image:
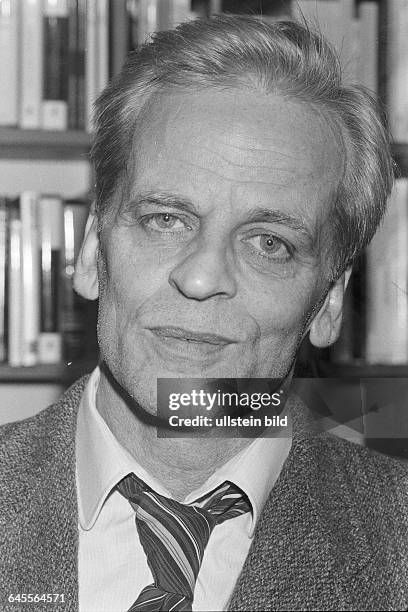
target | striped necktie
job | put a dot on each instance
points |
(174, 537)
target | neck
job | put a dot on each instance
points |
(180, 464)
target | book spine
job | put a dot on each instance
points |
(180, 10)
(3, 259)
(397, 68)
(165, 14)
(73, 306)
(91, 73)
(14, 285)
(81, 65)
(387, 284)
(31, 65)
(73, 67)
(8, 63)
(368, 45)
(55, 65)
(50, 210)
(102, 44)
(134, 16)
(147, 22)
(118, 43)
(30, 277)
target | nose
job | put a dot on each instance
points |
(204, 273)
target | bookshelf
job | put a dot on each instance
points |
(43, 144)
(58, 373)
(29, 149)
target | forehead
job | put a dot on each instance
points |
(242, 143)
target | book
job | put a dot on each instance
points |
(118, 35)
(397, 68)
(51, 243)
(180, 10)
(81, 108)
(367, 36)
(74, 307)
(3, 263)
(8, 62)
(349, 347)
(102, 44)
(147, 21)
(54, 114)
(14, 285)
(73, 65)
(30, 277)
(387, 284)
(91, 70)
(134, 16)
(31, 63)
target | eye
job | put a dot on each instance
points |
(164, 222)
(269, 246)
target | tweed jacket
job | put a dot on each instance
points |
(333, 534)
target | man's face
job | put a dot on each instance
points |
(218, 251)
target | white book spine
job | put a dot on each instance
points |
(15, 290)
(387, 284)
(397, 68)
(181, 12)
(148, 19)
(30, 277)
(102, 26)
(8, 62)
(31, 64)
(91, 72)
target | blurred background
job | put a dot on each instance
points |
(56, 56)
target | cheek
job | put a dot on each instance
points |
(127, 275)
(282, 311)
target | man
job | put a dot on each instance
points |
(237, 180)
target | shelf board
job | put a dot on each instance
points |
(65, 374)
(361, 370)
(43, 144)
(57, 373)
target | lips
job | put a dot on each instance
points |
(179, 333)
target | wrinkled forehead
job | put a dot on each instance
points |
(240, 136)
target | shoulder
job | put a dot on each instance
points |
(353, 463)
(361, 487)
(29, 442)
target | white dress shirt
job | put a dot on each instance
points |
(112, 563)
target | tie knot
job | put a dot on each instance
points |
(225, 502)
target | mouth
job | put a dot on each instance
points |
(193, 337)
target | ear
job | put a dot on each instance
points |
(86, 270)
(326, 325)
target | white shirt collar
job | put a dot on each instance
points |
(101, 462)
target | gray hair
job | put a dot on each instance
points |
(283, 57)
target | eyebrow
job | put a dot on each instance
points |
(277, 216)
(166, 200)
(257, 215)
